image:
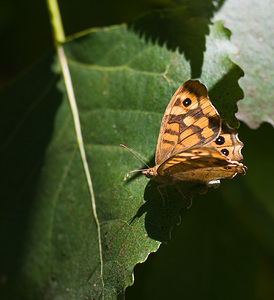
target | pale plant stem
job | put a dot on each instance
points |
(56, 22)
(59, 38)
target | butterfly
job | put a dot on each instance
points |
(194, 143)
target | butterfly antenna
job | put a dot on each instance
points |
(137, 156)
(133, 171)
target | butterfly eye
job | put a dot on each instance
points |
(186, 102)
(220, 140)
(225, 152)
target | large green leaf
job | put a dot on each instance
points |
(122, 85)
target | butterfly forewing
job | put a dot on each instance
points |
(190, 120)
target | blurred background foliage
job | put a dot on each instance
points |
(25, 32)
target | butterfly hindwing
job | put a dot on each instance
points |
(228, 143)
(200, 164)
(190, 120)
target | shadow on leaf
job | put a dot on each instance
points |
(225, 94)
(164, 205)
(184, 27)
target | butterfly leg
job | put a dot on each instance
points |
(159, 187)
(187, 198)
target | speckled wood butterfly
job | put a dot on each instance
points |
(194, 144)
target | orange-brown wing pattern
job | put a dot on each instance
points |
(194, 143)
(190, 120)
(228, 143)
(200, 164)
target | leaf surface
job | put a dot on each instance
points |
(122, 84)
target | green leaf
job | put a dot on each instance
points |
(251, 23)
(122, 85)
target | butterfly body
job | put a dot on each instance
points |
(194, 144)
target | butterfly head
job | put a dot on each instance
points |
(150, 173)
